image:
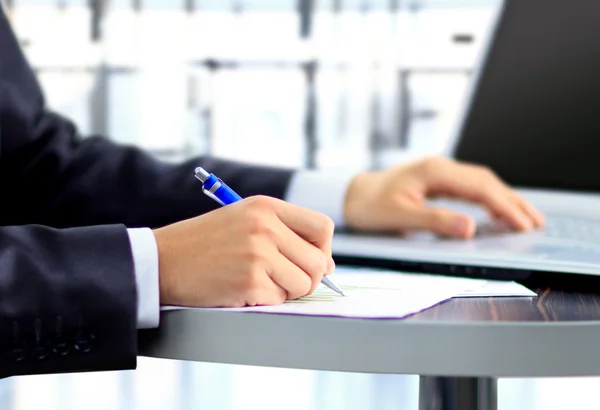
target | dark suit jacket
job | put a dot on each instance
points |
(67, 285)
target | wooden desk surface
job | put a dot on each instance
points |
(549, 305)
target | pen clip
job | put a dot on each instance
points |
(212, 196)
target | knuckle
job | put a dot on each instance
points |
(307, 283)
(258, 224)
(251, 285)
(254, 255)
(280, 295)
(488, 197)
(324, 227)
(256, 261)
(431, 165)
(239, 300)
(318, 265)
(261, 202)
(252, 298)
(236, 303)
(485, 172)
(327, 226)
(438, 216)
(264, 229)
(253, 278)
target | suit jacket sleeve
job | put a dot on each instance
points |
(51, 176)
(62, 309)
(67, 292)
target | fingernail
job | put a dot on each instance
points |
(330, 266)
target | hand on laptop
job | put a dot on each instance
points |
(393, 200)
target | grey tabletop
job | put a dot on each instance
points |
(554, 334)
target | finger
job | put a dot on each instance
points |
(440, 221)
(536, 216)
(314, 227)
(506, 209)
(289, 276)
(310, 259)
(533, 217)
(265, 293)
(482, 186)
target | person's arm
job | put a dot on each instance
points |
(50, 175)
(67, 300)
(395, 199)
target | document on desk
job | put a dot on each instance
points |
(479, 288)
(374, 294)
(497, 288)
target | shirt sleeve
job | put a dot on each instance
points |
(145, 261)
(321, 191)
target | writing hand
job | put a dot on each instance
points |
(259, 251)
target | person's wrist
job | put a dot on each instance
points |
(355, 200)
(164, 279)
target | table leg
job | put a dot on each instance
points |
(458, 393)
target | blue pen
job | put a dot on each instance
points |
(217, 190)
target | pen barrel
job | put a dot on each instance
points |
(219, 191)
(226, 195)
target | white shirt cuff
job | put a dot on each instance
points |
(145, 262)
(321, 191)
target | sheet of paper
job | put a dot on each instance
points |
(373, 294)
(480, 288)
(497, 288)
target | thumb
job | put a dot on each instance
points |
(441, 221)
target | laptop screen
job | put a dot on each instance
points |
(534, 114)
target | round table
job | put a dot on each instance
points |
(459, 348)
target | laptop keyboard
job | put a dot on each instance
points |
(560, 227)
(581, 229)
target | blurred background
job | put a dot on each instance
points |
(321, 83)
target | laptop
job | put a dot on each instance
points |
(533, 116)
